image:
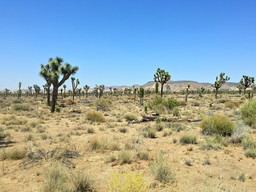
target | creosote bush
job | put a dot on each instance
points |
(160, 105)
(239, 132)
(218, 124)
(95, 116)
(127, 182)
(248, 111)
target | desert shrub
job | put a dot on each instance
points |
(161, 171)
(248, 143)
(248, 111)
(3, 136)
(218, 124)
(158, 120)
(171, 103)
(124, 157)
(188, 139)
(150, 133)
(81, 182)
(95, 116)
(13, 120)
(123, 130)
(232, 104)
(250, 152)
(142, 155)
(21, 108)
(211, 145)
(57, 109)
(239, 132)
(70, 102)
(101, 144)
(176, 112)
(131, 117)
(13, 154)
(176, 127)
(159, 127)
(55, 179)
(127, 182)
(102, 104)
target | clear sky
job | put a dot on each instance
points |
(123, 42)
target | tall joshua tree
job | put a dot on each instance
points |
(37, 90)
(57, 69)
(246, 82)
(186, 97)
(19, 93)
(240, 88)
(101, 90)
(141, 95)
(135, 90)
(219, 82)
(46, 73)
(30, 89)
(86, 88)
(74, 85)
(162, 77)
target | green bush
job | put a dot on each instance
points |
(188, 139)
(219, 124)
(248, 111)
(95, 116)
(124, 157)
(21, 108)
(171, 103)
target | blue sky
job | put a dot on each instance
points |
(123, 42)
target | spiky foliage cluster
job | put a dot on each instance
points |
(74, 85)
(52, 73)
(246, 82)
(219, 82)
(162, 77)
(86, 88)
(30, 89)
(135, 90)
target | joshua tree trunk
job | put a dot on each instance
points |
(216, 93)
(162, 89)
(186, 98)
(141, 101)
(48, 96)
(54, 97)
(244, 90)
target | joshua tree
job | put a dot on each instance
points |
(253, 89)
(86, 88)
(96, 91)
(6, 91)
(74, 85)
(141, 95)
(115, 90)
(201, 91)
(187, 88)
(135, 90)
(64, 87)
(162, 77)
(30, 89)
(45, 89)
(56, 70)
(19, 92)
(246, 82)
(101, 90)
(37, 90)
(219, 82)
(156, 87)
(79, 92)
(46, 73)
